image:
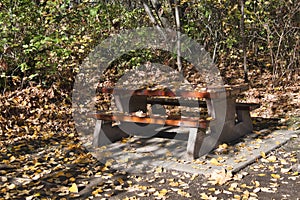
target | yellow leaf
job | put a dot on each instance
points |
(220, 159)
(72, 179)
(261, 174)
(263, 154)
(151, 190)
(161, 193)
(233, 186)
(175, 173)
(71, 135)
(12, 159)
(283, 162)
(272, 158)
(268, 64)
(158, 169)
(276, 176)
(109, 163)
(209, 118)
(174, 184)
(142, 194)
(68, 175)
(162, 181)
(124, 140)
(121, 181)
(220, 177)
(204, 196)
(271, 168)
(285, 170)
(143, 187)
(169, 154)
(11, 186)
(257, 184)
(194, 176)
(37, 194)
(183, 193)
(73, 188)
(295, 173)
(215, 162)
(97, 191)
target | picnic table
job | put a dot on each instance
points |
(226, 120)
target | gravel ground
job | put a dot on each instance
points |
(274, 176)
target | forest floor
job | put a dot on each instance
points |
(41, 156)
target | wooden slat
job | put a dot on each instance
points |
(209, 92)
(169, 121)
(197, 103)
(176, 102)
(156, 92)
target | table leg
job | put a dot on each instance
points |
(194, 142)
(244, 123)
(222, 110)
(105, 133)
(236, 123)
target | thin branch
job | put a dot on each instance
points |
(178, 36)
(152, 18)
(244, 41)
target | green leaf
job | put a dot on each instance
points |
(24, 67)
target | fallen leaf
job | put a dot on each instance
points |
(283, 162)
(158, 169)
(272, 158)
(227, 192)
(162, 193)
(276, 176)
(220, 177)
(257, 184)
(204, 196)
(183, 193)
(285, 170)
(268, 190)
(142, 194)
(11, 186)
(261, 174)
(194, 176)
(256, 190)
(151, 190)
(263, 154)
(73, 188)
(215, 162)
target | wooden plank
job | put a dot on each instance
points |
(156, 92)
(155, 119)
(197, 103)
(176, 102)
(206, 92)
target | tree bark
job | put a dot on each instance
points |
(242, 26)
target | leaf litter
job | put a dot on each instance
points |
(41, 157)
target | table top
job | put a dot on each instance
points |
(203, 92)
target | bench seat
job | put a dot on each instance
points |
(173, 120)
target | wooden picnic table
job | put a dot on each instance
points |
(227, 120)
